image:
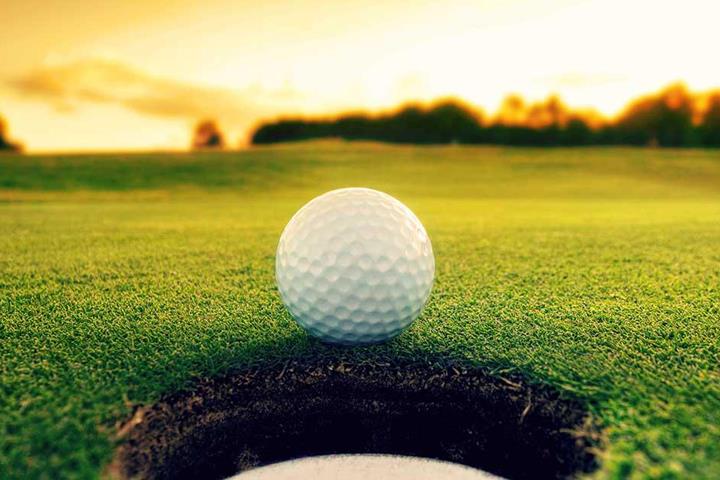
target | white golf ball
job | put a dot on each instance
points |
(354, 266)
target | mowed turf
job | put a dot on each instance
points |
(594, 270)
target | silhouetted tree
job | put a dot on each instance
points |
(406, 126)
(513, 112)
(549, 122)
(353, 126)
(5, 143)
(664, 119)
(577, 131)
(453, 122)
(293, 129)
(551, 113)
(710, 124)
(444, 122)
(207, 135)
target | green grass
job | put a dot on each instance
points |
(595, 270)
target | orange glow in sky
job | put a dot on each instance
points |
(88, 75)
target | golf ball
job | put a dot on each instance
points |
(354, 266)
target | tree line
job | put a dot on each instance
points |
(672, 117)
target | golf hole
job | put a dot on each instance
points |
(503, 425)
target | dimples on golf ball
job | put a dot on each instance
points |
(354, 266)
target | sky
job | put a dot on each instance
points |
(79, 75)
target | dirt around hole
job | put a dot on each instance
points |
(264, 415)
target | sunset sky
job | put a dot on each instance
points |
(89, 75)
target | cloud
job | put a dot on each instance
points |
(68, 86)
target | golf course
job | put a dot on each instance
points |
(594, 273)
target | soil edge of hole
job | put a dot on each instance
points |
(507, 426)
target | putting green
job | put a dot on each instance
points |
(596, 271)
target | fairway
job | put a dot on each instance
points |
(596, 271)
